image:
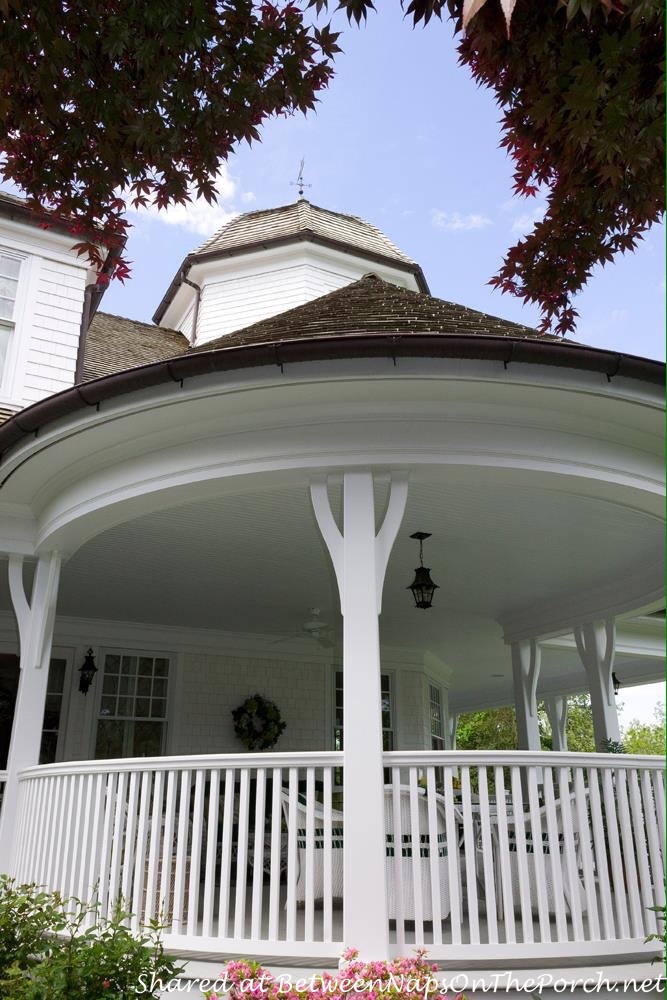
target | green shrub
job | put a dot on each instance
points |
(53, 948)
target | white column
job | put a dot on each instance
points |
(526, 659)
(596, 644)
(360, 561)
(35, 619)
(556, 706)
(451, 721)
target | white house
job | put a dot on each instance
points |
(223, 504)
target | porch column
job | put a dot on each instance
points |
(556, 706)
(35, 619)
(526, 660)
(596, 645)
(450, 730)
(360, 561)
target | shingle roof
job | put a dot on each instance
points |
(297, 219)
(372, 305)
(114, 344)
(295, 223)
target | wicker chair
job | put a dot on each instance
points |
(407, 866)
(527, 858)
(318, 849)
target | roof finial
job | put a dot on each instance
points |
(299, 182)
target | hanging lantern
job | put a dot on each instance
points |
(87, 671)
(616, 684)
(422, 586)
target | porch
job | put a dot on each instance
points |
(512, 857)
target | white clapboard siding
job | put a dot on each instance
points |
(238, 301)
(52, 330)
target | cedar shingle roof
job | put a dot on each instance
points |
(114, 344)
(294, 223)
(299, 218)
(372, 305)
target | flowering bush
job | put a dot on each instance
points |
(57, 948)
(399, 979)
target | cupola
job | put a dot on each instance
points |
(263, 263)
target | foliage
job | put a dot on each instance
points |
(646, 737)
(62, 949)
(398, 979)
(492, 729)
(581, 87)
(257, 723)
(612, 746)
(661, 917)
(495, 728)
(105, 102)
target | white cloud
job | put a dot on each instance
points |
(248, 197)
(197, 215)
(524, 223)
(456, 222)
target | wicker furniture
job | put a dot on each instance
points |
(402, 903)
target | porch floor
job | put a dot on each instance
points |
(329, 954)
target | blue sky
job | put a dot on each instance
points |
(405, 139)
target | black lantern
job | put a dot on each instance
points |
(87, 671)
(616, 684)
(422, 586)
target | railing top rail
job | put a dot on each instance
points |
(520, 758)
(186, 762)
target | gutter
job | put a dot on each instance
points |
(195, 308)
(508, 350)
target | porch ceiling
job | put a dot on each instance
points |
(254, 563)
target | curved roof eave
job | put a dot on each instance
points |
(508, 350)
(303, 236)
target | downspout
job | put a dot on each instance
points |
(195, 311)
(83, 333)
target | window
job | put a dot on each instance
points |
(437, 720)
(53, 710)
(133, 708)
(9, 279)
(386, 705)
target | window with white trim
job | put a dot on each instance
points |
(10, 267)
(386, 706)
(132, 719)
(437, 718)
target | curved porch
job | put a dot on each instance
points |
(495, 857)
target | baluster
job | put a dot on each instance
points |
(258, 855)
(195, 854)
(276, 852)
(211, 849)
(138, 893)
(226, 854)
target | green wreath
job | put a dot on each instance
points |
(257, 723)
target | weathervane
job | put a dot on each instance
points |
(299, 182)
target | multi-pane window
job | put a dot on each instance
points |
(53, 710)
(386, 706)
(133, 707)
(437, 719)
(9, 279)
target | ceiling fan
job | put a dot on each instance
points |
(312, 628)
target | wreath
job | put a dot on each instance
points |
(257, 723)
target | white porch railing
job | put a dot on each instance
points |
(221, 848)
(548, 855)
(489, 856)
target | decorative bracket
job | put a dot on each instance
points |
(596, 645)
(35, 618)
(384, 540)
